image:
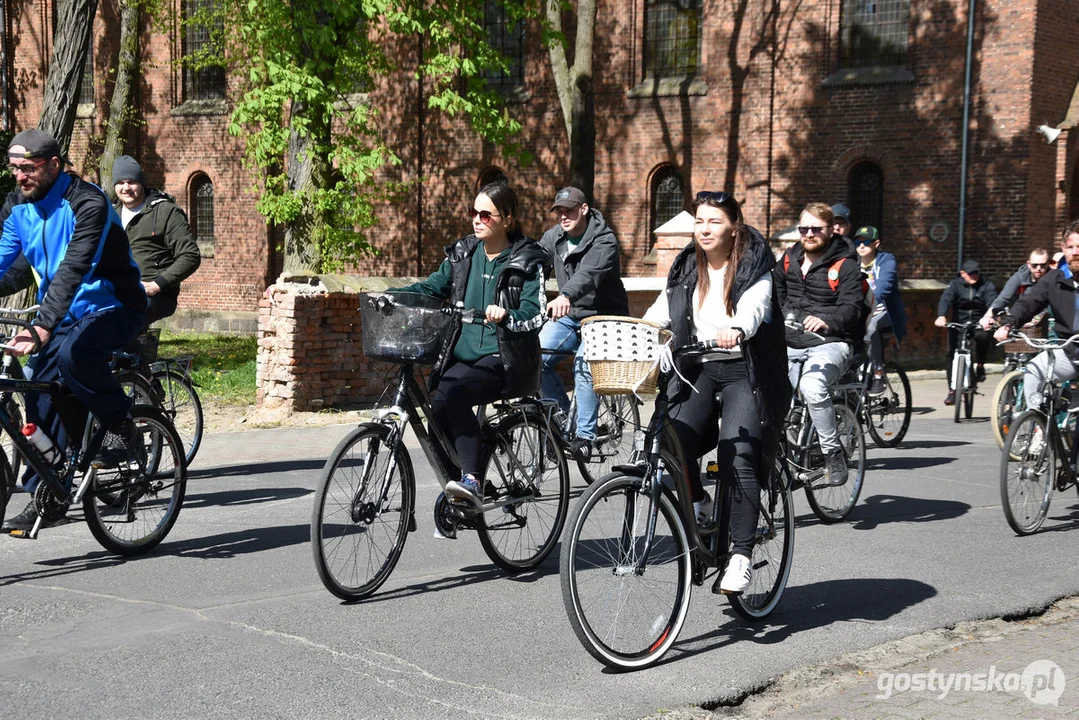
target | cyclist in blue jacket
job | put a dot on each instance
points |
(92, 302)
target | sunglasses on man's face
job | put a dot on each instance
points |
(863, 241)
(485, 215)
(1034, 266)
(804, 230)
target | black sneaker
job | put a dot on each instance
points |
(122, 443)
(835, 466)
(950, 400)
(580, 449)
(876, 386)
(24, 521)
(980, 374)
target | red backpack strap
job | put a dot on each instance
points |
(786, 262)
(833, 274)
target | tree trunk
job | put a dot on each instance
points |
(575, 92)
(74, 23)
(120, 105)
(301, 249)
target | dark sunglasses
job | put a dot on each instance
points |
(712, 196)
(1038, 265)
(811, 229)
(485, 215)
(863, 241)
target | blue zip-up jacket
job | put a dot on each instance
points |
(73, 239)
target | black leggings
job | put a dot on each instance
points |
(462, 387)
(694, 416)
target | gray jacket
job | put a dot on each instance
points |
(591, 274)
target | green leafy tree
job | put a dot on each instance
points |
(318, 139)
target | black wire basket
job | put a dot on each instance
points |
(410, 328)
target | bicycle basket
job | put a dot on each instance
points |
(623, 353)
(412, 329)
(145, 345)
(1040, 330)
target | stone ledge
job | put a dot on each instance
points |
(212, 321)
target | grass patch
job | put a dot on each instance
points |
(224, 365)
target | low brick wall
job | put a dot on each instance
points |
(310, 348)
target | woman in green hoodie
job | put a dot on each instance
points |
(497, 272)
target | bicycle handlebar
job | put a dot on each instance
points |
(1041, 343)
(18, 318)
(793, 324)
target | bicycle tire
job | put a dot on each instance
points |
(7, 485)
(180, 402)
(888, 416)
(18, 418)
(345, 518)
(968, 400)
(960, 377)
(130, 509)
(773, 548)
(519, 535)
(1026, 475)
(1007, 404)
(833, 503)
(618, 419)
(625, 619)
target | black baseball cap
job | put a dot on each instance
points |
(37, 144)
(971, 267)
(568, 197)
(839, 210)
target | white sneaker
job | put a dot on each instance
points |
(1037, 442)
(736, 577)
(702, 510)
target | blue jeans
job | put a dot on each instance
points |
(561, 334)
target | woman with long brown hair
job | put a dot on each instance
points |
(720, 288)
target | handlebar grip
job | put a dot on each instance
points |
(708, 344)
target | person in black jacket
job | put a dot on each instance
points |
(969, 296)
(1057, 290)
(720, 288)
(498, 272)
(584, 252)
(820, 287)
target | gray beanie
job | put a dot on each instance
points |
(126, 167)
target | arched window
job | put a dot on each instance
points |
(668, 198)
(866, 193)
(200, 200)
(672, 38)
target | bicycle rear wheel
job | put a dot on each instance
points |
(1008, 402)
(959, 376)
(174, 393)
(7, 484)
(132, 507)
(617, 421)
(527, 491)
(832, 503)
(773, 548)
(1027, 467)
(363, 508)
(18, 417)
(888, 415)
(626, 617)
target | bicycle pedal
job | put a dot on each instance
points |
(21, 534)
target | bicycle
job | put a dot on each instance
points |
(618, 420)
(365, 499)
(634, 548)
(130, 508)
(1039, 456)
(1007, 402)
(886, 415)
(964, 382)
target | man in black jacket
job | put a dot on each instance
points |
(584, 252)
(1058, 289)
(160, 237)
(820, 286)
(969, 296)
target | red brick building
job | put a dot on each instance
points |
(782, 103)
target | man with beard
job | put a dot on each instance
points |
(91, 300)
(1057, 290)
(820, 286)
(1030, 272)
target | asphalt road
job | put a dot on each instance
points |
(228, 618)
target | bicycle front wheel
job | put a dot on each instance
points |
(832, 503)
(1008, 403)
(132, 507)
(888, 414)
(617, 421)
(18, 418)
(363, 507)
(959, 376)
(773, 548)
(526, 493)
(626, 613)
(174, 393)
(1027, 468)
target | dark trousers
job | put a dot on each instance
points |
(159, 306)
(979, 348)
(460, 389)
(695, 415)
(78, 356)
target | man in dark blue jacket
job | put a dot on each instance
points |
(888, 311)
(91, 300)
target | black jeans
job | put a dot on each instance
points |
(694, 416)
(460, 389)
(979, 349)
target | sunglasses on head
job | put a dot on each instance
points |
(811, 230)
(712, 196)
(485, 215)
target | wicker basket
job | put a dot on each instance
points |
(623, 353)
(1038, 330)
